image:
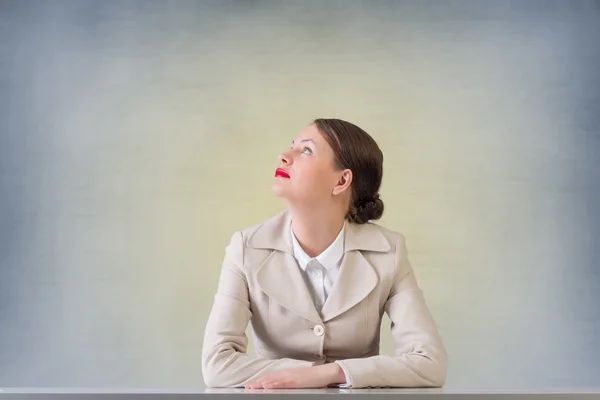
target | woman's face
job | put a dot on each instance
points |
(306, 175)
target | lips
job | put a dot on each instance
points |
(281, 173)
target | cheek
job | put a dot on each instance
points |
(314, 179)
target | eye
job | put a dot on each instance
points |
(307, 150)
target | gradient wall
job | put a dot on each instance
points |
(136, 137)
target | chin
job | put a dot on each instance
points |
(278, 191)
(283, 194)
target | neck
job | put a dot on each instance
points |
(316, 230)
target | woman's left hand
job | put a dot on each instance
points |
(319, 376)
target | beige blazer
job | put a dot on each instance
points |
(261, 283)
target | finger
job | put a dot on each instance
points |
(277, 385)
(265, 379)
(253, 385)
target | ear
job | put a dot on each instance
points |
(343, 183)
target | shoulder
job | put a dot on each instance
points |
(266, 226)
(257, 240)
(267, 233)
(374, 237)
(392, 236)
(268, 223)
(398, 246)
(392, 263)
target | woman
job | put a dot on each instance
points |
(315, 279)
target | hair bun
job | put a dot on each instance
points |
(366, 209)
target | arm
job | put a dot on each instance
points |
(224, 359)
(420, 358)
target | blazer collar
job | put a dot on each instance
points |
(274, 234)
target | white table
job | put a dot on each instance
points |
(289, 394)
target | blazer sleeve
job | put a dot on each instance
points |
(420, 359)
(224, 359)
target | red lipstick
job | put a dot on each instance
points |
(281, 173)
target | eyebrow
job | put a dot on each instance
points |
(306, 140)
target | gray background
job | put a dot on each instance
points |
(135, 137)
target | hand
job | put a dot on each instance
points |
(319, 376)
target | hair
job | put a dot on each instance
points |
(355, 149)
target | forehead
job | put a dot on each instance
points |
(310, 132)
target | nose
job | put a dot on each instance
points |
(285, 158)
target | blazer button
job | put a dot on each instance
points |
(319, 330)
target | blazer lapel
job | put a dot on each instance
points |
(356, 278)
(279, 275)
